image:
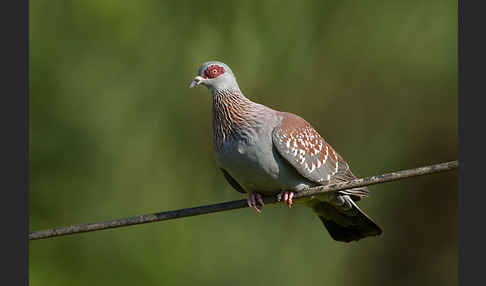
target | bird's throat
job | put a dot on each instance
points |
(232, 114)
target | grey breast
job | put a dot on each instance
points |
(251, 159)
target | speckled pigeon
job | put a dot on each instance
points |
(264, 151)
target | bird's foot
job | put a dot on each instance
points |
(255, 199)
(287, 196)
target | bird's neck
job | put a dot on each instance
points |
(232, 113)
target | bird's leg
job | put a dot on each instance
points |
(254, 199)
(287, 196)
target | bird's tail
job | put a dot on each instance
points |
(346, 222)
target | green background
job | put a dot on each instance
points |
(115, 132)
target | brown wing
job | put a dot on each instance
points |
(300, 144)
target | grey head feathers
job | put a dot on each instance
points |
(207, 64)
(222, 80)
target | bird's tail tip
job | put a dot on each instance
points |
(351, 232)
(345, 227)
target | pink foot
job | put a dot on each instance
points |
(287, 196)
(253, 199)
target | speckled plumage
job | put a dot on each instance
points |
(267, 151)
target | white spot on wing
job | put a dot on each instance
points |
(302, 159)
(327, 154)
(337, 164)
(312, 168)
(287, 144)
(294, 152)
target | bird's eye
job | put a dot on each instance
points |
(213, 71)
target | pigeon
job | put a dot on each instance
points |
(262, 151)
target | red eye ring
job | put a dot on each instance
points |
(214, 71)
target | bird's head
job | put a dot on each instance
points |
(216, 76)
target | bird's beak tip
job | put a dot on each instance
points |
(196, 81)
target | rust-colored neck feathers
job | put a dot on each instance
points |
(232, 113)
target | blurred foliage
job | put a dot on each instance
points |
(115, 132)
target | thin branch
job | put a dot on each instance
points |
(231, 205)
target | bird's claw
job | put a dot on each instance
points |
(253, 200)
(287, 196)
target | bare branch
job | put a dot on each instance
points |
(231, 205)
